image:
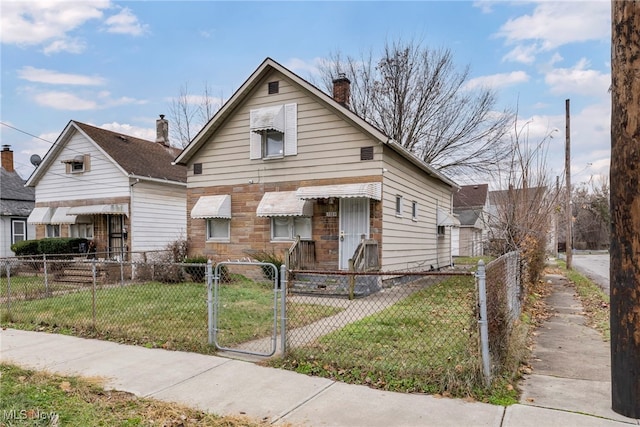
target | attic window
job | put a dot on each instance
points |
(78, 164)
(366, 153)
(197, 168)
(274, 87)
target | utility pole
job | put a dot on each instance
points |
(625, 208)
(567, 168)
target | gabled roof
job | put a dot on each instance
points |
(268, 66)
(515, 195)
(471, 196)
(135, 157)
(15, 198)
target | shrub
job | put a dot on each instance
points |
(26, 247)
(197, 272)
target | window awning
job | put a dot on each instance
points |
(284, 203)
(112, 209)
(41, 215)
(447, 219)
(267, 118)
(61, 216)
(212, 207)
(370, 190)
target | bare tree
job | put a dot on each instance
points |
(625, 208)
(523, 216)
(419, 98)
(188, 113)
(592, 218)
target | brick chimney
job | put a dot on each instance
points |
(341, 89)
(162, 130)
(7, 158)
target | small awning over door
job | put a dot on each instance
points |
(212, 207)
(284, 203)
(370, 190)
(61, 216)
(447, 219)
(41, 215)
(111, 209)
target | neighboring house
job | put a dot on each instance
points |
(16, 203)
(120, 191)
(282, 159)
(470, 205)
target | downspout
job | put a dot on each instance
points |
(437, 239)
(131, 209)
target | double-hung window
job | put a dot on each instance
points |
(273, 132)
(218, 229)
(52, 230)
(289, 227)
(18, 230)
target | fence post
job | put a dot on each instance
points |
(483, 322)
(210, 300)
(46, 276)
(93, 292)
(283, 309)
(8, 264)
(122, 270)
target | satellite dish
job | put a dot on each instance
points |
(35, 160)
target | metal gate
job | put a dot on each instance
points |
(245, 299)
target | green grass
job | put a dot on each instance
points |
(29, 398)
(172, 316)
(426, 343)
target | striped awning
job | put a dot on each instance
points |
(61, 216)
(284, 203)
(370, 190)
(110, 209)
(41, 215)
(212, 207)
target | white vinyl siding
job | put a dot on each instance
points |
(408, 243)
(103, 180)
(158, 215)
(327, 146)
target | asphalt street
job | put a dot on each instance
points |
(594, 265)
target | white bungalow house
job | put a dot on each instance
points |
(120, 191)
(283, 164)
(471, 206)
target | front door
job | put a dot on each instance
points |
(116, 237)
(354, 223)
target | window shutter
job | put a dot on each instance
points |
(291, 129)
(67, 167)
(255, 140)
(87, 162)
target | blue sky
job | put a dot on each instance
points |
(118, 64)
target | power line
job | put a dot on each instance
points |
(26, 133)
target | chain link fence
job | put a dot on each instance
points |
(408, 331)
(150, 304)
(413, 331)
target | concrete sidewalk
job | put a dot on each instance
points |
(569, 385)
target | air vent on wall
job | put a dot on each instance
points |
(366, 153)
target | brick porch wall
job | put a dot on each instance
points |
(250, 232)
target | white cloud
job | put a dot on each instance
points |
(125, 22)
(29, 23)
(64, 101)
(71, 45)
(578, 80)
(127, 129)
(522, 53)
(301, 67)
(41, 75)
(495, 81)
(560, 22)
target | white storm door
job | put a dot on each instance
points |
(354, 222)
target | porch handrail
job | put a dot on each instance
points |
(301, 254)
(365, 258)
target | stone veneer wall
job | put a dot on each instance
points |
(250, 232)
